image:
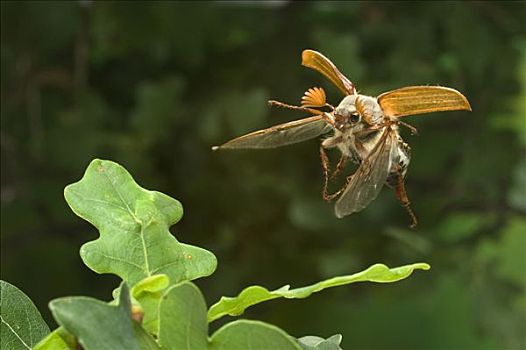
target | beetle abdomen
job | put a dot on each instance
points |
(400, 165)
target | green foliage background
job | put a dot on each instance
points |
(154, 85)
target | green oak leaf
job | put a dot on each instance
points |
(183, 325)
(144, 339)
(182, 318)
(254, 335)
(256, 294)
(59, 339)
(134, 242)
(311, 342)
(22, 325)
(150, 284)
(148, 293)
(100, 326)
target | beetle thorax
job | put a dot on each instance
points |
(352, 118)
(365, 107)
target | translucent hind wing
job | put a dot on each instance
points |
(280, 135)
(367, 182)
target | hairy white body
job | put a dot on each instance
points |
(357, 132)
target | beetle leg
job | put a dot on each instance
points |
(340, 166)
(413, 130)
(272, 103)
(325, 164)
(401, 195)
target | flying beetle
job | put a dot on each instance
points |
(364, 129)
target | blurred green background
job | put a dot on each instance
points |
(153, 85)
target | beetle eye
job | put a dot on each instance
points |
(355, 118)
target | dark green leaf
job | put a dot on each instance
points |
(182, 318)
(254, 335)
(316, 343)
(99, 326)
(22, 324)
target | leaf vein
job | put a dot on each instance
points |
(159, 268)
(132, 214)
(14, 332)
(122, 260)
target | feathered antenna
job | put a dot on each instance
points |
(362, 110)
(314, 97)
